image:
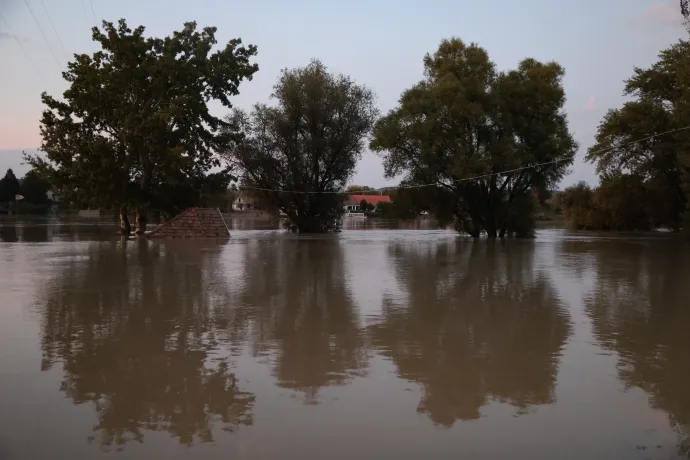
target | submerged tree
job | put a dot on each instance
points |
(135, 122)
(621, 202)
(661, 105)
(464, 120)
(300, 153)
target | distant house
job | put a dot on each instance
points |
(353, 201)
(243, 203)
(53, 196)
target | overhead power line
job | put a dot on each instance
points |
(54, 29)
(93, 13)
(465, 179)
(43, 34)
(26, 53)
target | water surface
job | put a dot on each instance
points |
(373, 343)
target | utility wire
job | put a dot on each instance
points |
(43, 34)
(465, 179)
(54, 29)
(26, 53)
(93, 13)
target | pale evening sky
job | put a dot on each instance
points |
(378, 42)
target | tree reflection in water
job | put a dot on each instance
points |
(476, 321)
(640, 309)
(131, 327)
(297, 304)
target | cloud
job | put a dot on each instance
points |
(591, 105)
(663, 14)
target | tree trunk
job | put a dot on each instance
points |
(125, 227)
(141, 221)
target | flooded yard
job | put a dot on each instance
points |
(376, 343)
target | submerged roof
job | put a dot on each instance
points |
(193, 223)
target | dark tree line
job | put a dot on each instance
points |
(133, 132)
(33, 188)
(9, 187)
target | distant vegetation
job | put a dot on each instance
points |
(361, 190)
(32, 188)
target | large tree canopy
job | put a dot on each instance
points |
(464, 120)
(134, 124)
(300, 153)
(661, 105)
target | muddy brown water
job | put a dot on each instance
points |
(373, 343)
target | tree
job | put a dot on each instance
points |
(34, 188)
(300, 153)
(9, 187)
(579, 208)
(359, 190)
(134, 123)
(465, 120)
(661, 105)
(621, 202)
(621, 199)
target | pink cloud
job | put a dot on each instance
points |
(663, 14)
(591, 105)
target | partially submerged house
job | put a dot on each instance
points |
(193, 223)
(243, 202)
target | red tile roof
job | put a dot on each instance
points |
(371, 199)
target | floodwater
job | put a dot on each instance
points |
(369, 344)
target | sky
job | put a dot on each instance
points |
(379, 43)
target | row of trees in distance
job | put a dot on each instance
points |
(32, 187)
(134, 132)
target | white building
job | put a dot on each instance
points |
(243, 203)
